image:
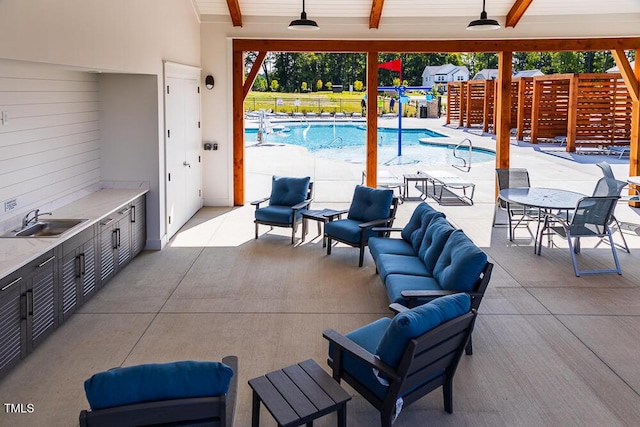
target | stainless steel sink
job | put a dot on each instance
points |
(50, 228)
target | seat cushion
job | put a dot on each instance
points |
(415, 221)
(157, 381)
(418, 321)
(274, 214)
(386, 245)
(404, 264)
(288, 191)
(346, 230)
(369, 204)
(396, 283)
(433, 241)
(459, 265)
(368, 338)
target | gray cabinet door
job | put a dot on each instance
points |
(41, 301)
(138, 225)
(12, 328)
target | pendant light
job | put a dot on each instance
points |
(483, 24)
(303, 24)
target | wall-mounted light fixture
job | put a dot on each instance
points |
(483, 23)
(209, 82)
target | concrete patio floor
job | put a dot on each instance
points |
(550, 349)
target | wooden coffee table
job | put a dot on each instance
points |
(298, 394)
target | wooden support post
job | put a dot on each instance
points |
(468, 107)
(634, 155)
(463, 103)
(535, 111)
(522, 86)
(372, 119)
(238, 128)
(572, 114)
(503, 108)
(488, 93)
(448, 121)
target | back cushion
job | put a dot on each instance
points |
(460, 263)
(157, 381)
(287, 191)
(416, 220)
(369, 204)
(435, 237)
(418, 321)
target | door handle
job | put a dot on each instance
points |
(186, 164)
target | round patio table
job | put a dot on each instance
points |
(544, 199)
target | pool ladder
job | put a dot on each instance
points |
(466, 165)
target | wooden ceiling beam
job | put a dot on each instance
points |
(234, 11)
(627, 72)
(437, 46)
(376, 13)
(517, 11)
(248, 83)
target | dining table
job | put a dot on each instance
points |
(546, 200)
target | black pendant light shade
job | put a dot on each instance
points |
(483, 23)
(303, 24)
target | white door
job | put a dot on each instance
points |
(184, 177)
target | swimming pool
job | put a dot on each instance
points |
(346, 142)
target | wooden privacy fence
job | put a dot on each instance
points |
(587, 109)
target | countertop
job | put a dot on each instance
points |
(17, 252)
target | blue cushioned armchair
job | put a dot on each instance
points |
(289, 198)
(168, 394)
(394, 362)
(369, 208)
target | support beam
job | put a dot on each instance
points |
(634, 155)
(376, 13)
(234, 11)
(572, 114)
(503, 108)
(248, 83)
(372, 119)
(630, 79)
(238, 128)
(517, 11)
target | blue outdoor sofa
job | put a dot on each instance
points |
(430, 259)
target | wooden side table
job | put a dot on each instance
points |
(298, 394)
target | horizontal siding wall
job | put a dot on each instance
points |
(50, 144)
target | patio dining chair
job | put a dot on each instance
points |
(591, 218)
(612, 187)
(516, 214)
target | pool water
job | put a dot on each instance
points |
(346, 142)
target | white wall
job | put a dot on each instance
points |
(121, 36)
(50, 140)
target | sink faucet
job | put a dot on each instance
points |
(36, 215)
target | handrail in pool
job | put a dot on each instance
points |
(466, 167)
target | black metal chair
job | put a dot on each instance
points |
(394, 362)
(518, 214)
(289, 198)
(213, 411)
(591, 218)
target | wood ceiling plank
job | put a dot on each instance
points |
(517, 11)
(234, 11)
(376, 13)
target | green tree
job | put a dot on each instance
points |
(303, 87)
(358, 86)
(260, 84)
(319, 84)
(274, 85)
(328, 85)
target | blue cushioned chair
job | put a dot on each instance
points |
(168, 394)
(289, 198)
(369, 208)
(394, 362)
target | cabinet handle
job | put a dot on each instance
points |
(46, 262)
(78, 266)
(83, 264)
(30, 302)
(114, 239)
(107, 221)
(118, 230)
(5, 287)
(133, 213)
(125, 210)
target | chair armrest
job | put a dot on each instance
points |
(373, 223)
(301, 205)
(256, 203)
(386, 229)
(427, 293)
(343, 343)
(398, 308)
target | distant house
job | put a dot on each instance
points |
(528, 73)
(617, 70)
(442, 74)
(486, 74)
